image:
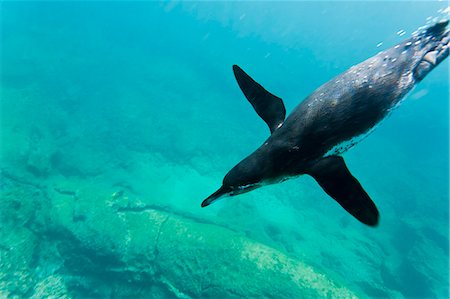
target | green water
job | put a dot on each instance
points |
(119, 118)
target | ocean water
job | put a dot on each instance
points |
(119, 118)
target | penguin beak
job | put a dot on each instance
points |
(215, 196)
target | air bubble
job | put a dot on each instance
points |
(446, 10)
(401, 32)
(379, 44)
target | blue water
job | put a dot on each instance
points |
(140, 98)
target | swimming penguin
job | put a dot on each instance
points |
(331, 120)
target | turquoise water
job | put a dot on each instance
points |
(119, 118)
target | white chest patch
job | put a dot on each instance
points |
(347, 144)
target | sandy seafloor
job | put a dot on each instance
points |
(119, 118)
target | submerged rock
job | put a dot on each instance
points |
(209, 261)
(100, 248)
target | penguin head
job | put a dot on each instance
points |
(244, 177)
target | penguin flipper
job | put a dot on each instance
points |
(336, 180)
(268, 106)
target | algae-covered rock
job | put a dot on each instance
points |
(17, 243)
(51, 287)
(95, 242)
(17, 249)
(143, 232)
(202, 260)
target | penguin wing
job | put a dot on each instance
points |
(268, 106)
(336, 180)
